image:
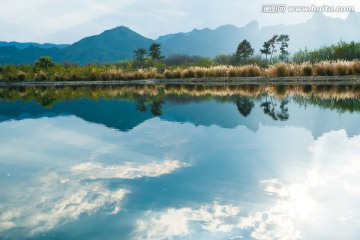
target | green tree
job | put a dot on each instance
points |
(44, 63)
(273, 41)
(266, 49)
(244, 50)
(283, 40)
(140, 54)
(155, 52)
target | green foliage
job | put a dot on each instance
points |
(177, 60)
(225, 59)
(340, 51)
(44, 63)
(269, 47)
(244, 50)
(272, 41)
(283, 40)
(155, 52)
(266, 49)
(140, 54)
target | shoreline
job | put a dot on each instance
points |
(311, 80)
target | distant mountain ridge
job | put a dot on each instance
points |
(119, 43)
(317, 31)
(20, 45)
(13, 55)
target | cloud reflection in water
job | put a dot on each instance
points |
(323, 204)
(51, 193)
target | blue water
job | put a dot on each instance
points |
(100, 169)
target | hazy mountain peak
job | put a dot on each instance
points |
(318, 16)
(195, 30)
(227, 26)
(253, 25)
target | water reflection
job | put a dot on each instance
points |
(156, 107)
(244, 105)
(209, 167)
(65, 170)
(269, 107)
(318, 195)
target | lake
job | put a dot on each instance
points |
(180, 162)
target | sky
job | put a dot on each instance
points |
(67, 21)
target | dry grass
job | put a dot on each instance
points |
(281, 69)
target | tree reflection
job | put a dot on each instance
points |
(341, 98)
(269, 108)
(46, 99)
(141, 104)
(244, 105)
(283, 115)
(156, 107)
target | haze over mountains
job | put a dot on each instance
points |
(119, 43)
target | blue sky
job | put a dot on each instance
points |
(67, 21)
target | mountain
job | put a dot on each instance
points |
(319, 31)
(208, 42)
(119, 43)
(110, 46)
(19, 45)
(13, 55)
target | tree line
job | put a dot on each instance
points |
(341, 50)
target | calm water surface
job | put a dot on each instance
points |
(242, 168)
